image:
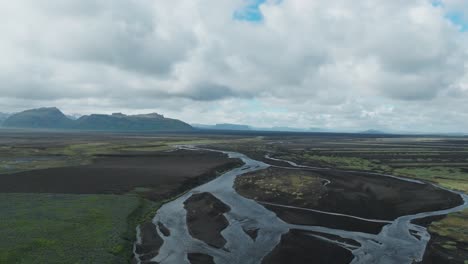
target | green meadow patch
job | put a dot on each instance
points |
(63, 228)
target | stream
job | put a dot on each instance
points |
(399, 242)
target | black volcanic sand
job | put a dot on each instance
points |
(282, 186)
(205, 219)
(367, 196)
(300, 248)
(150, 242)
(252, 233)
(437, 254)
(301, 217)
(164, 230)
(199, 258)
(380, 197)
(167, 173)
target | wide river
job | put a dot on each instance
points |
(399, 242)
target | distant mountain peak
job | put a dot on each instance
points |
(118, 115)
(52, 117)
(45, 110)
(44, 117)
(150, 115)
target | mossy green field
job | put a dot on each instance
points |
(64, 228)
(100, 228)
(43, 228)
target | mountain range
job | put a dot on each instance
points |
(223, 127)
(53, 118)
(239, 127)
(3, 117)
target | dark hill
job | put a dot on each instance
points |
(47, 117)
(3, 117)
(122, 122)
(55, 119)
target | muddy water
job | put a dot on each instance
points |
(399, 242)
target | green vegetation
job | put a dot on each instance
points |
(42, 228)
(452, 178)
(70, 228)
(346, 162)
(349, 163)
(15, 166)
(449, 177)
(298, 187)
(59, 228)
(440, 161)
(443, 161)
(23, 158)
(19, 158)
(222, 143)
(455, 228)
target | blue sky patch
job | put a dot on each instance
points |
(250, 12)
(459, 20)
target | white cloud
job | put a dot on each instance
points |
(334, 63)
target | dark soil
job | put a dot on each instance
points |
(358, 194)
(198, 258)
(205, 218)
(167, 173)
(368, 196)
(164, 230)
(286, 186)
(302, 217)
(299, 248)
(436, 254)
(151, 242)
(380, 197)
(252, 233)
(426, 221)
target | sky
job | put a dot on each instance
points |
(397, 65)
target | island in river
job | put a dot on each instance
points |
(238, 198)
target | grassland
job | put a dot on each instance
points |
(97, 228)
(61, 228)
(349, 163)
(454, 227)
(448, 177)
(25, 157)
(443, 161)
(276, 185)
(86, 228)
(440, 160)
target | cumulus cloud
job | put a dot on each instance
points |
(305, 63)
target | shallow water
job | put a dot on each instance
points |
(394, 244)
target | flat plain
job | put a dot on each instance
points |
(78, 197)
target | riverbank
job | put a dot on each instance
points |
(88, 213)
(439, 160)
(321, 205)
